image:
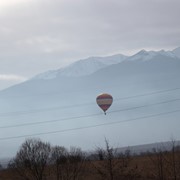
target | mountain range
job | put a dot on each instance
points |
(93, 64)
(59, 106)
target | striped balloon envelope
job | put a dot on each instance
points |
(104, 101)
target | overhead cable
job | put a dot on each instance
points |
(90, 126)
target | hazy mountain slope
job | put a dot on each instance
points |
(64, 102)
(83, 67)
(136, 65)
(177, 52)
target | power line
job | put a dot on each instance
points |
(86, 116)
(91, 126)
(7, 114)
(147, 94)
(49, 121)
(147, 105)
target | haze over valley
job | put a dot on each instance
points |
(59, 106)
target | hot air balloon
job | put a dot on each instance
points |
(104, 101)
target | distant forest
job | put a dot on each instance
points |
(38, 160)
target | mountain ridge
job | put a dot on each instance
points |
(83, 67)
(91, 65)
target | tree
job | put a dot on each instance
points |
(158, 159)
(112, 165)
(104, 162)
(59, 159)
(69, 164)
(1, 167)
(173, 160)
(76, 161)
(31, 160)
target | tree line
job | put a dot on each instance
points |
(38, 160)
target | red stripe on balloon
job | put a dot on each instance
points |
(105, 106)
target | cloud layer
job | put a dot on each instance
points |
(11, 77)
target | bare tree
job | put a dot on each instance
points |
(177, 150)
(173, 160)
(20, 170)
(166, 163)
(1, 167)
(69, 164)
(76, 159)
(105, 162)
(59, 159)
(31, 160)
(158, 160)
(112, 165)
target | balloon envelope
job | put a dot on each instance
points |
(104, 101)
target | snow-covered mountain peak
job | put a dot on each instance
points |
(144, 55)
(142, 52)
(166, 53)
(83, 67)
(75, 69)
(90, 65)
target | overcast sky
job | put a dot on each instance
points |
(39, 35)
